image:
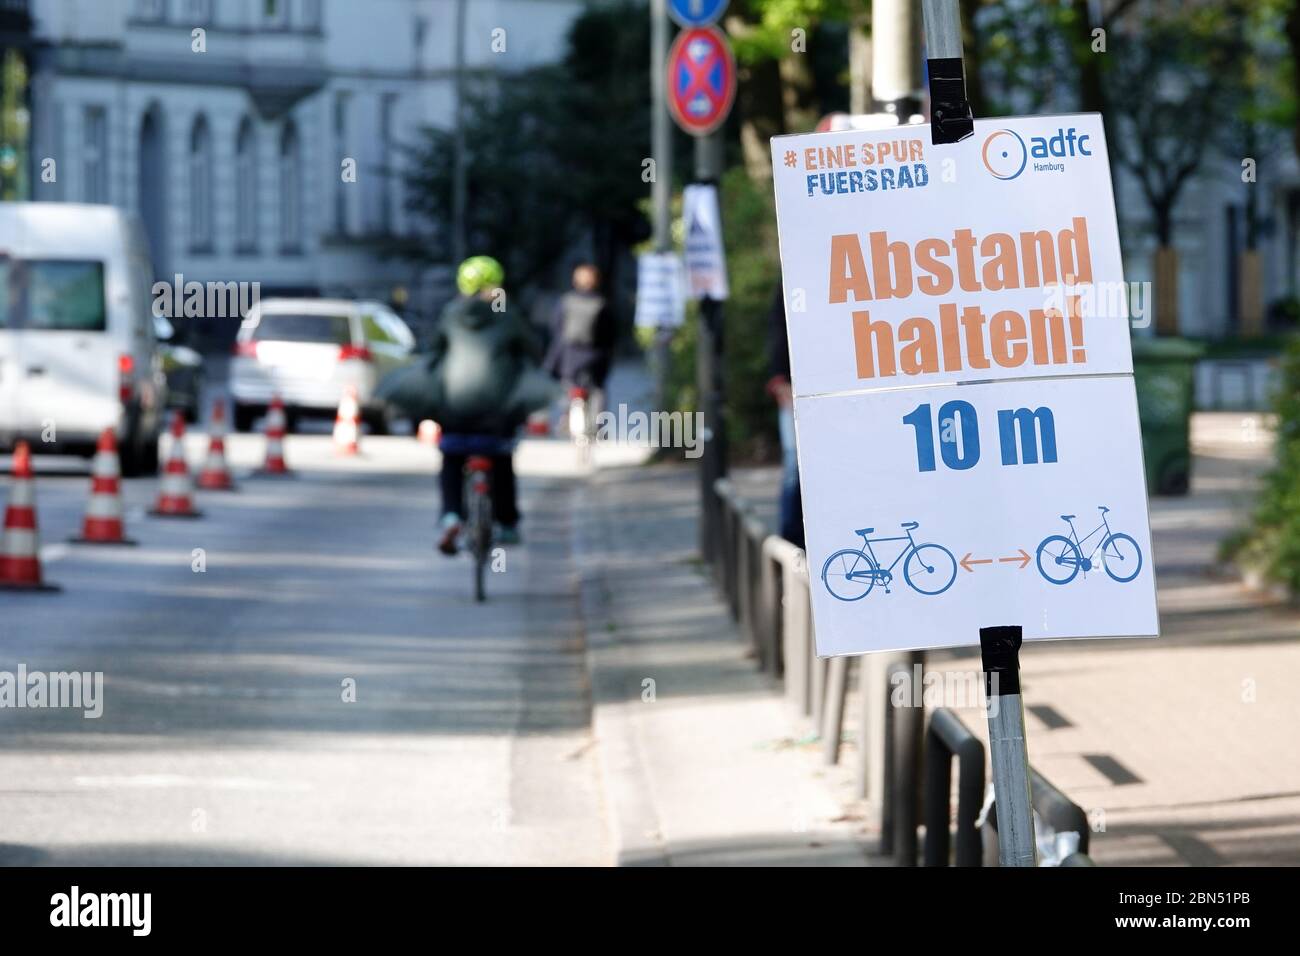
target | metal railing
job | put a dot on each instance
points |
(947, 738)
(765, 583)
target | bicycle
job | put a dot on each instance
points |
(477, 530)
(1120, 554)
(478, 518)
(928, 569)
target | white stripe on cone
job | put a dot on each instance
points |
(275, 427)
(347, 424)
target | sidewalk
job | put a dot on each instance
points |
(1185, 749)
(697, 749)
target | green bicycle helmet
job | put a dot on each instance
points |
(478, 273)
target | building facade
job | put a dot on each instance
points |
(263, 140)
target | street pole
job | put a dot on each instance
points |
(661, 140)
(708, 366)
(950, 113)
(459, 185)
(1000, 650)
(661, 150)
(895, 58)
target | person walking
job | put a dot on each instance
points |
(582, 337)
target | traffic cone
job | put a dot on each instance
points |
(20, 560)
(274, 428)
(347, 424)
(176, 492)
(103, 523)
(216, 473)
(428, 433)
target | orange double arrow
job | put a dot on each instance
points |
(1021, 559)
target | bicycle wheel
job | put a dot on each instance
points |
(1122, 557)
(479, 510)
(1059, 559)
(848, 575)
(930, 569)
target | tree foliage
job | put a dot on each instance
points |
(554, 154)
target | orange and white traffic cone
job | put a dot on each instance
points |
(215, 475)
(103, 523)
(20, 560)
(347, 424)
(176, 493)
(275, 428)
(428, 433)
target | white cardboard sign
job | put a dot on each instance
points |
(706, 258)
(964, 402)
(660, 296)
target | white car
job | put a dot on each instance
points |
(77, 347)
(309, 350)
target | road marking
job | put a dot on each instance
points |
(171, 781)
(53, 552)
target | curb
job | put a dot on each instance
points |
(625, 778)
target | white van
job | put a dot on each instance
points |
(77, 348)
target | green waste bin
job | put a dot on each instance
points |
(1163, 368)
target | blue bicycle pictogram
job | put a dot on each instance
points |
(850, 574)
(1060, 558)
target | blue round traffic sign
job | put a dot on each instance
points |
(696, 13)
(701, 80)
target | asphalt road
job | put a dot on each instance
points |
(226, 736)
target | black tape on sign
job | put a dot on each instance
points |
(950, 114)
(1000, 650)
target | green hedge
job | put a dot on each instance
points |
(753, 269)
(1271, 545)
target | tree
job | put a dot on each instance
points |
(555, 154)
(791, 57)
(1169, 80)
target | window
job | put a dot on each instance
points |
(297, 327)
(341, 145)
(60, 295)
(246, 188)
(387, 166)
(290, 190)
(275, 13)
(94, 171)
(398, 330)
(200, 186)
(311, 14)
(150, 9)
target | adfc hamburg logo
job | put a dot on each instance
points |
(1005, 155)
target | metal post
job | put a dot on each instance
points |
(950, 113)
(661, 140)
(832, 729)
(895, 77)
(708, 360)
(1000, 649)
(903, 729)
(460, 165)
(661, 152)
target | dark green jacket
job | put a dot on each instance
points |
(481, 365)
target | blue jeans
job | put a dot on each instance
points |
(791, 496)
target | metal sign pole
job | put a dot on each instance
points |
(950, 113)
(709, 366)
(1000, 650)
(951, 122)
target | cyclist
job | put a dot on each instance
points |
(582, 336)
(480, 356)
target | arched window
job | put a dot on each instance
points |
(200, 186)
(246, 188)
(290, 189)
